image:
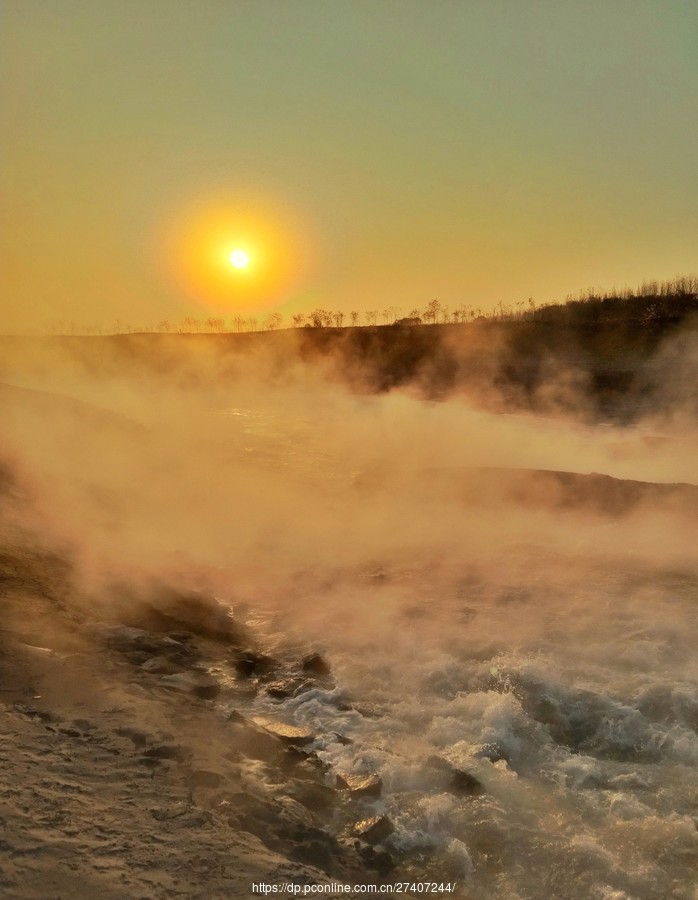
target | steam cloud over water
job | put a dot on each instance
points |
(482, 598)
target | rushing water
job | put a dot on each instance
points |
(552, 655)
(546, 648)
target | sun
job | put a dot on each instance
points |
(230, 252)
(239, 259)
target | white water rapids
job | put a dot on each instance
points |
(547, 649)
(551, 654)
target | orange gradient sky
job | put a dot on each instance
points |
(365, 153)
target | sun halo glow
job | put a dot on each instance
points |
(232, 255)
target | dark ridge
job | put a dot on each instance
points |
(596, 358)
(485, 486)
(573, 490)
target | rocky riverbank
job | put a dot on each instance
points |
(132, 766)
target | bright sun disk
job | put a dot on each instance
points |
(239, 259)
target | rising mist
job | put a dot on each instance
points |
(480, 595)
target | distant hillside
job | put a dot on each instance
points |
(600, 357)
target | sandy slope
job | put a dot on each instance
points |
(85, 813)
(112, 787)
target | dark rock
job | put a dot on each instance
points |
(126, 639)
(138, 657)
(315, 847)
(71, 732)
(185, 656)
(303, 763)
(165, 815)
(249, 663)
(360, 785)
(139, 645)
(118, 637)
(286, 828)
(84, 724)
(378, 860)
(314, 853)
(204, 778)
(248, 811)
(457, 781)
(200, 685)
(342, 739)
(253, 741)
(465, 783)
(164, 608)
(159, 665)
(165, 751)
(182, 637)
(374, 830)
(138, 738)
(315, 664)
(313, 795)
(197, 613)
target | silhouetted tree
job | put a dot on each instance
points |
(318, 318)
(273, 321)
(431, 313)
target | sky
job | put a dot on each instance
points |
(362, 153)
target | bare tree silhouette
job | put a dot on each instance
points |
(432, 312)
